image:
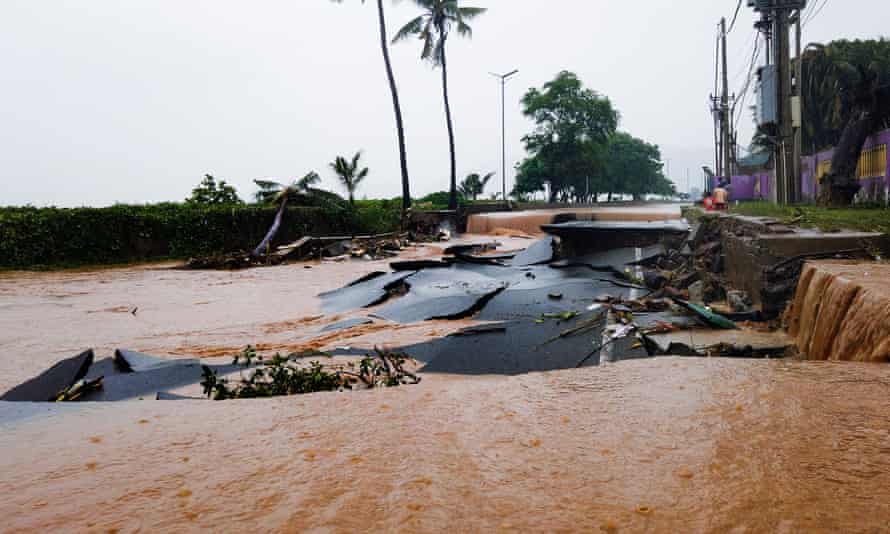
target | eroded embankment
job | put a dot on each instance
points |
(840, 312)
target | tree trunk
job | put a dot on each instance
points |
(452, 197)
(842, 184)
(264, 245)
(400, 127)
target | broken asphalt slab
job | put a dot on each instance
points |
(49, 384)
(701, 342)
(614, 260)
(347, 323)
(540, 252)
(579, 237)
(442, 294)
(363, 293)
(513, 348)
(130, 361)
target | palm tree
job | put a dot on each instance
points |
(397, 108)
(846, 89)
(275, 193)
(349, 173)
(433, 28)
(473, 185)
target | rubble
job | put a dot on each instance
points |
(336, 248)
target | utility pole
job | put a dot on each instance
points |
(726, 128)
(797, 109)
(715, 110)
(780, 98)
(785, 142)
(503, 78)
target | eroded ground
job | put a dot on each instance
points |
(664, 444)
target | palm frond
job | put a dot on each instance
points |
(411, 29)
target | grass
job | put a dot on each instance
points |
(866, 219)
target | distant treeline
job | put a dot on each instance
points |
(58, 237)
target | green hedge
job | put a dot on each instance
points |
(54, 237)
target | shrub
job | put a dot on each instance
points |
(55, 237)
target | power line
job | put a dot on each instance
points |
(735, 17)
(745, 90)
(717, 66)
(746, 58)
(815, 13)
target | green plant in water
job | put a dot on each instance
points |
(246, 357)
(280, 376)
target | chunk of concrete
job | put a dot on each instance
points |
(738, 301)
(697, 292)
(705, 342)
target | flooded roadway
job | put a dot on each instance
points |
(678, 445)
(666, 444)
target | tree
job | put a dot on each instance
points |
(209, 192)
(433, 28)
(566, 148)
(474, 185)
(633, 167)
(846, 98)
(397, 108)
(349, 173)
(275, 193)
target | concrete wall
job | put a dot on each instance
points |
(873, 190)
(759, 186)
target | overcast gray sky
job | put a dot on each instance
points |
(106, 101)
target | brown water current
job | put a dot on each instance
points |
(678, 445)
(841, 310)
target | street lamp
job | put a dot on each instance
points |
(503, 78)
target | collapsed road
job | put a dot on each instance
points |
(650, 444)
(573, 298)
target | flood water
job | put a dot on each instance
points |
(841, 312)
(655, 445)
(679, 445)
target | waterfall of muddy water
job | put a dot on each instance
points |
(840, 312)
(530, 221)
(657, 445)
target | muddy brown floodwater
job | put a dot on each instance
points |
(662, 445)
(657, 445)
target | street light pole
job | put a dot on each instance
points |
(503, 78)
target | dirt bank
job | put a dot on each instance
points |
(679, 445)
